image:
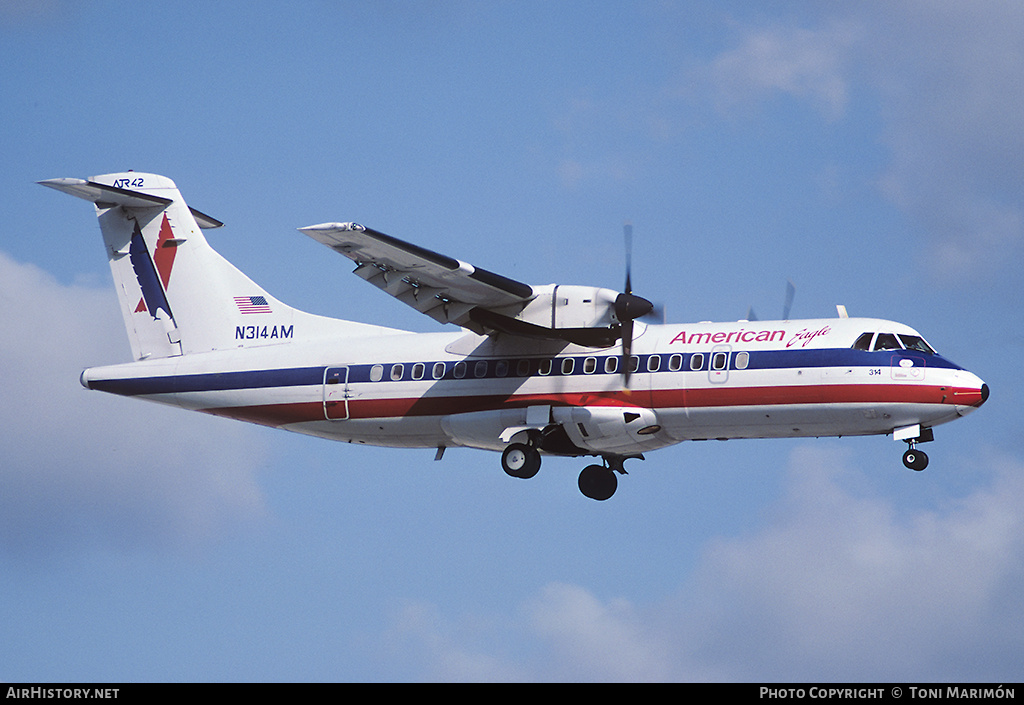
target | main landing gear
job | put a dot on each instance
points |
(598, 482)
(520, 460)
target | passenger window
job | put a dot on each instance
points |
(634, 363)
(545, 367)
(460, 370)
(480, 369)
(719, 361)
(438, 371)
(397, 370)
(418, 369)
(590, 365)
(501, 368)
(523, 368)
(742, 360)
(611, 364)
(675, 363)
(864, 341)
(887, 341)
(567, 365)
(654, 363)
(377, 373)
(697, 361)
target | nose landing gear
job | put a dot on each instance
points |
(912, 435)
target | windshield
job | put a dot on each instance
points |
(890, 341)
(916, 342)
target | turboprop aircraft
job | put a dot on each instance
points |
(533, 371)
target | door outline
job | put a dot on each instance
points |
(336, 393)
(722, 375)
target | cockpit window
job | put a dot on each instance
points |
(887, 341)
(864, 341)
(916, 342)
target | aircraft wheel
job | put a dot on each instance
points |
(598, 482)
(915, 459)
(520, 460)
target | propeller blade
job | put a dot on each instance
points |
(790, 293)
(629, 307)
(627, 352)
(627, 232)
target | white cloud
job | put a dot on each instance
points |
(844, 586)
(802, 63)
(421, 638)
(949, 80)
(596, 641)
(80, 467)
(838, 584)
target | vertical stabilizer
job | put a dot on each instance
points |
(178, 295)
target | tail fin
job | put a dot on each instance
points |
(178, 295)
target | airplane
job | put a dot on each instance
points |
(533, 371)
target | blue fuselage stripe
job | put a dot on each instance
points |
(363, 373)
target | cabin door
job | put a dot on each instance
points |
(336, 393)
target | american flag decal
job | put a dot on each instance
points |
(252, 304)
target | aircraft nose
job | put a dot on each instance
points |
(972, 395)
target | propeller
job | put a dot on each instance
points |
(786, 306)
(629, 307)
(790, 293)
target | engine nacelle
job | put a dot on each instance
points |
(560, 306)
(584, 315)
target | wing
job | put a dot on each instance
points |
(442, 287)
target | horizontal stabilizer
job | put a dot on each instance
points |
(108, 196)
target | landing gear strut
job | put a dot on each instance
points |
(912, 435)
(598, 482)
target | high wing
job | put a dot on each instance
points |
(442, 287)
(451, 291)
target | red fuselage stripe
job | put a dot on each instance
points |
(282, 414)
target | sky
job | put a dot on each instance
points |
(869, 152)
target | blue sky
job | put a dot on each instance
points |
(869, 152)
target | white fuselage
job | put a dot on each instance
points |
(747, 379)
